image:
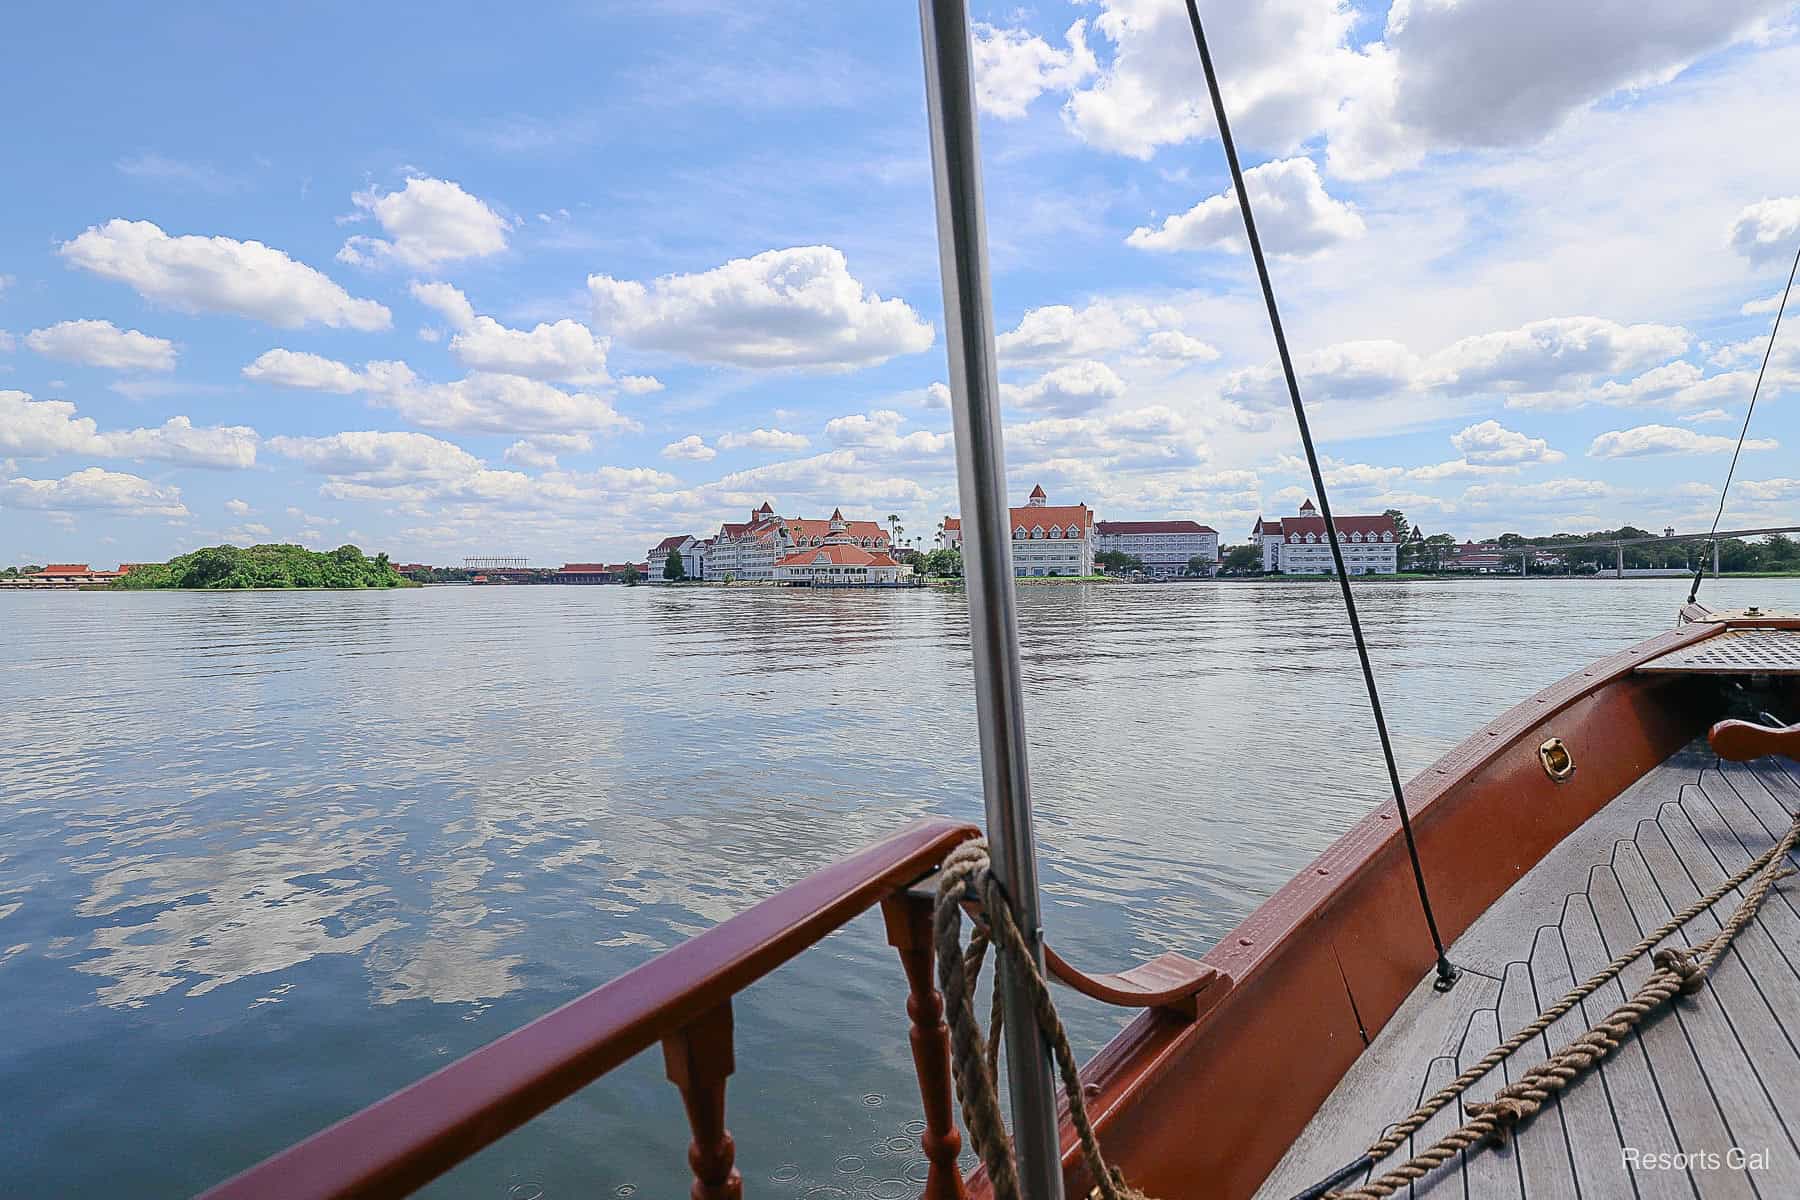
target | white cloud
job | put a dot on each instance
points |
(564, 351)
(937, 395)
(1644, 440)
(692, 448)
(482, 402)
(1295, 216)
(880, 433)
(219, 275)
(1491, 444)
(1677, 385)
(375, 456)
(763, 439)
(782, 308)
(1345, 371)
(1557, 494)
(46, 428)
(430, 222)
(1499, 73)
(1544, 354)
(1709, 416)
(1061, 333)
(177, 440)
(1014, 67)
(103, 344)
(238, 508)
(1766, 231)
(541, 451)
(298, 369)
(1074, 390)
(95, 489)
(1286, 67)
(1768, 304)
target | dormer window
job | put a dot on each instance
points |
(1074, 532)
(1387, 537)
(1037, 533)
(1019, 534)
(1055, 532)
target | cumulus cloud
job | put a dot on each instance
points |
(482, 402)
(692, 448)
(1677, 385)
(97, 490)
(1014, 67)
(1499, 73)
(937, 395)
(219, 275)
(1295, 216)
(1289, 67)
(1766, 231)
(1491, 444)
(541, 452)
(1544, 354)
(1061, 333)
(1708, 416)
(238, 508)
(311, 372)
(782, 308)
(429, 222)
(1645, 440)
(763, 439)
(46, 428)
(880, 431)
(1345, 371)
(103, 344)
(1074, 390)
(562, 351)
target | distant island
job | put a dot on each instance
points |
(283, 566)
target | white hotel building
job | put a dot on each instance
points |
(1165, 547)
(1298, 545)
(750, 549)
(1047, 539)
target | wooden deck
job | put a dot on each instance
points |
(1719, 1073)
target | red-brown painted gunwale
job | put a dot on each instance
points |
(403, 1142)
(1207, 1106)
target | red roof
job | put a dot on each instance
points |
(1316, 525)
(585, 568)
(799, 527)
(952, 523)
(1037, 493)
(1262, 526)
(1060, 515)
(66, 569)
(837, 554)
(1153, 527)
(670, 542)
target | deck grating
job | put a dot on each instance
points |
(1721, 1070)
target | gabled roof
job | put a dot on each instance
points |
(65, 569)
(1262, 526)
(1037, 493)
(838, 554)
(952, 523)
(1060, 515)
(670, 542)
(1116, 527)
(1316, 525)
(585, 568)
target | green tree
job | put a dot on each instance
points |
(942, 564)
(1401, 528)
(1198, 564)
(630, 575)
(1117, 562)
(1242, 559)
(674, 570)
(272, 566)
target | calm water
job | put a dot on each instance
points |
(266, 857)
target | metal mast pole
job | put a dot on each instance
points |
(987, 557)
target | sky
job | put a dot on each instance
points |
(446, 281)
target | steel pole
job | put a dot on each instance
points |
(987, 563)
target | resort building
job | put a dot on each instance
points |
(1298, 545)
(66, 575)
(1047, 539)
(838, 558)
(691, 550)
(584, 573)
(1166, 547)
(750, 549)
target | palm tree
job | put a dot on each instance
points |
(895, 530)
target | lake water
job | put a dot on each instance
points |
(266, 857)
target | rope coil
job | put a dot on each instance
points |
(966, 878)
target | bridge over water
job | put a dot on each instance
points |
(1618, 545)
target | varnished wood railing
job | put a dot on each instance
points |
(682, 999)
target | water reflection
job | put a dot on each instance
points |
(264, 857)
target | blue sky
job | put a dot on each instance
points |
(442, 282)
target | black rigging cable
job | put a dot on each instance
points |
(1712, 536)
(1446, 973)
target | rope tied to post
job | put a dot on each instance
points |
(966, 878)
(1678, 971)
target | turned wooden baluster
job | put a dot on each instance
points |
(908, 921)
(698, 1060)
